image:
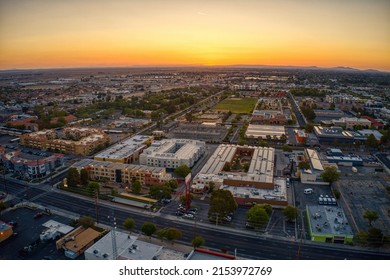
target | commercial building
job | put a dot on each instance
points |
(126, 151)
(171, 153)
(123, 173)
(328, 224)
(202, 132)
(301, 136)
(77, 241)
(5, 231)
(246, 171)
(54, 230)
(374, 122)
(367, 132)
(337, 156)
(72, 140)
(331, 135)
(128, 247)
(312, 175)
(262, 131)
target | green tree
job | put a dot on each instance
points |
(136, 186)
(371, 216)
(182, 171)
(172, 184)
(257, 216)
(332, 106)
(198, 241)
(309, 127)
(330, 174)
(227, 167)
(304, 165)
(161, 233)
(148, 228)
(158, 192)
(93, 188)
(73, 177)
(221, 203)
(173, 234)
(336, 193)
(375, 236)
(290, 212)
(129, 224)
(183, 198)
(262, 143)
(371, 141)
(362, 238)
(84, 177)
(267, 208)
(287, 148)
(211, 187)
(86, 221)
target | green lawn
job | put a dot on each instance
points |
(237, 105)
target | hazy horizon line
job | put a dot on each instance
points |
(339, 67)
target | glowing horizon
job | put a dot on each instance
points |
(119, 33)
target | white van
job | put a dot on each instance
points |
(308, 191)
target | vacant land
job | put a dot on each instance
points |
(237, 105)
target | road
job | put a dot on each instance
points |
(300, 118)
(248, 244)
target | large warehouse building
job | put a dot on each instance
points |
(171, 153)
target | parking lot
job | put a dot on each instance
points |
(28, 230)
(363, 191)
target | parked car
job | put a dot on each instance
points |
(39, 214)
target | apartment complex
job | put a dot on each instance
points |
(126, 151)
(123, 173)
(171, 153)
(246, 171)
(72, 140)
(19, 165)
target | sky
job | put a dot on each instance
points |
(83, 33)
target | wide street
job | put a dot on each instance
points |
(247, 244)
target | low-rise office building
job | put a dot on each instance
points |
(123, 173)
(264, 131)
(328, 224)
(77, 241)
(126, 151)
(128, 247)
(331, 135)
(171, 153)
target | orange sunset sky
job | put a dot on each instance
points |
(73, 33)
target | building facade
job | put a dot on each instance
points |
(75, 140)
(124, 173)
(171, 153)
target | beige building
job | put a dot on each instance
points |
(123, 173)
(76, 140)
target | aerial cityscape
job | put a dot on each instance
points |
(207, 130)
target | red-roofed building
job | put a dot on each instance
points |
(374, 123)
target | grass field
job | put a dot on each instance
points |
(237, 105)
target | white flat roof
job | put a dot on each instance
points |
(261, 166)
(128, 248)
(264, 130)
(125, 148)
